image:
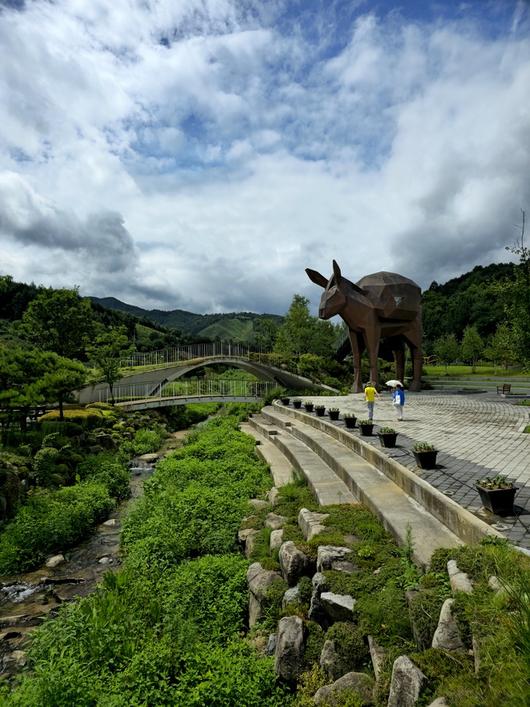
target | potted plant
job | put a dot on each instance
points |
(308, 406)
(387, 436)
(350, 420)
(366, 427)
(497, 494)
(425, 455)
(333, 413)
(285, 401)
(320, 410)
(297, 403)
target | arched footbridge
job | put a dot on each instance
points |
(163, 384)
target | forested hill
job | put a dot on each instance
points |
(237, 326)
(146, 335)
(473, 299)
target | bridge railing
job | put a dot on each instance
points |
(206, 388)
(185, 353)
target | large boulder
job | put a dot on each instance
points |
(276, 539)
(334, 662)
(406, 683)
(459, 580)
(337, 607)
(260, 581)
(316, 610)
(288, 656)
(327, 555)
(275, 521)
(293, 563)
(311, 523)
(447, 635)
(360, 683)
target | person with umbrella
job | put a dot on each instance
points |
(398, 399)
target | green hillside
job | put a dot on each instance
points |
(237, 326)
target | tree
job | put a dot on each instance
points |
(110, 346)
(472, 346)
(265, 332)
(301, 333)
(59, 321)
(447, 349)
(63, 376)
(29, 378)
(518, 298)
(501, 346)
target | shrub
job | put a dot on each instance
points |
(350, 643)
(83, 416)
(105, 468)
(145, 441)
(51, 520)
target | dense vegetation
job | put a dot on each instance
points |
(169, 628)
(148, 636)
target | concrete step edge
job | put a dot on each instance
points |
(467, 527)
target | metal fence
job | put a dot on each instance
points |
(184, 353)
(206, 388)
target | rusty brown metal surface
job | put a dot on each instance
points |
(382, 306)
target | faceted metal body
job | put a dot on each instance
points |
(383, 305)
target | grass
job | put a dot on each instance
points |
(461, 370)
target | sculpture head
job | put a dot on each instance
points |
(337, 290)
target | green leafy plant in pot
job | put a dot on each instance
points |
(497, 494)
(425, 455)
(320, 410)
(387, 436)
(333, 413)
(350, 420)
(308, 407)
(366, 427)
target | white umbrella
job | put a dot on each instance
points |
(392, 383)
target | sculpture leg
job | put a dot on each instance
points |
(414, 338)
(356, 347)
(399, 358)
(372, 336)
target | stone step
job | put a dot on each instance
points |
(281, 468)
(391, 504)
(323, 481)
(467, 527)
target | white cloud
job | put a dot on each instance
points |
(201, 154)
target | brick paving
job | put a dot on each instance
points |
(477, 435)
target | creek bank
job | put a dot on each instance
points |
(26, 600)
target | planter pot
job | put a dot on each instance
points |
(286, 401)
(297, 404)
(350, 422)
(308, 407)
(333, 414)
(426, 460)
(498, 501)
(366, 430)
(320, 411)
(388, 439)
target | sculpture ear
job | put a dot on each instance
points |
(317, 278)
(336, 272)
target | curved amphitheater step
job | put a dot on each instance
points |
(317, 456)
(323, 481)
(281, 468)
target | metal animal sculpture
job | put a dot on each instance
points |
(382, 305)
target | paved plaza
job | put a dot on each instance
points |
(478, 435)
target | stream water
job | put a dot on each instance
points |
(27, 599)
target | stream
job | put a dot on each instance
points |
(26, 600)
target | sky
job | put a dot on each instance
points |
(201, 154)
